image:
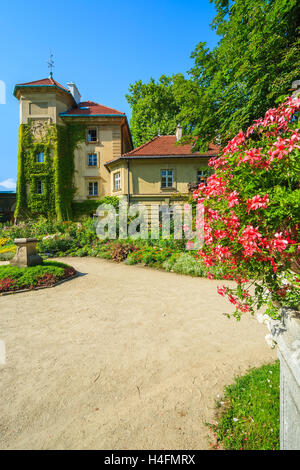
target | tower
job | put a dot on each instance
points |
(45, 163)
(64, 145)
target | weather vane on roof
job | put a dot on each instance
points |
(51, 64)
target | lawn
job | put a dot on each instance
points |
(13, 278)
(248, 416)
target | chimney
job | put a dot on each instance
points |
(178, 132)
(74, 92)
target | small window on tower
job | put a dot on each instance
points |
(92, 135)
(39, 187)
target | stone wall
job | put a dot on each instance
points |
(288, 341)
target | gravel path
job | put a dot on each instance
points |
(123, 357)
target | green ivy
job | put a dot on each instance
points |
(21, 202)
(89, 206)
(56, 172)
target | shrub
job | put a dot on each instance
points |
(21, 230)
(131, 260)
(120, 251)
(170, 262)
(7, 249)
(150, 255)
(7, 255)
(251, 213)
(186, 263)
(89, 207)
(57, 244)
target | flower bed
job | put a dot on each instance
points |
(79, 239)
(13, 278)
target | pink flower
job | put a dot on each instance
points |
(233, 199)
(219, 234)
(222, 290)
(215, 186)
(222, 252)
(278, 243)
(249, 240)
(229, 237)
(252, 156)
(213, 214)
(208, 261)
(280, 149)
(257, 202)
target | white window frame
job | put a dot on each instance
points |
(93, 155)
(93, 188)
(169, 177)
(117, 181)
(88, 135)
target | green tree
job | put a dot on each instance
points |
(250, 70)
(154, 109)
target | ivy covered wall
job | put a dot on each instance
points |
(57, 143)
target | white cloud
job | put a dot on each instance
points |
(8, 184)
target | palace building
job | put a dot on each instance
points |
(72, 151)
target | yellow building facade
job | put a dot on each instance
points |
(159, 171)
(104, 162)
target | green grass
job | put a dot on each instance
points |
(15, 278)
(248, 416)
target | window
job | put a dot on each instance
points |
(93, 188)
(167, 178)
(92, 135)
(40, 157)
(201, 176)
(39, 187)
(117, 181)
(92, 159)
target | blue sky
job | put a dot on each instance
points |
(102, 46)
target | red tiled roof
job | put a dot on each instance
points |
(87, 108)
(166, 145)
(43, 82)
